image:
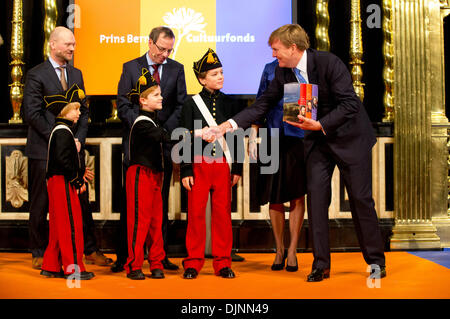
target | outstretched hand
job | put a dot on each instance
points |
(306, 124)
(210, 134)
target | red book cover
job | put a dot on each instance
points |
(308, 101)
(302, 99)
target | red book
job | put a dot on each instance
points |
(302, 100)
(308, 100)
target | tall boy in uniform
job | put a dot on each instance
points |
(64, 183)
(144, 179)
(208, 172)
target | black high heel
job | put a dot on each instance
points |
(292, 268)
(281, 265)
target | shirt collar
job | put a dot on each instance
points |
(55, 64)
(150, 62)
(302, 64)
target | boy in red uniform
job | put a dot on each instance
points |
(143, 181)
(64, 182)
(209, 172)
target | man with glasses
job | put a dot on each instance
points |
(170, 76)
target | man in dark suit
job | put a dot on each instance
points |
(170, 75)
(342, 136)
(52, 77)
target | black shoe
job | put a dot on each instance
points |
(226, 272)
(52, 274)
(236, 257)
(157, 274)
(281, 265)
(117, 266)
(318, 274)
(190, 273)
(168, 265)
(292, 268)
(84, 275)
(378, 271)
(136, 275)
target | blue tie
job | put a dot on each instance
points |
(300, 78)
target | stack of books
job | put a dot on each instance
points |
(300, 98)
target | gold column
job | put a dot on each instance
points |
(356, 48)
(16, 92)
(388, 54)
(419, 156)
(114, 116)
(323, 21)
(51, 15)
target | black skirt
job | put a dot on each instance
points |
(289, 181)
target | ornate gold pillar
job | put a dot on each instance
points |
(388, 55)
(420, 167)
(356, 48)
(323, 21)
(16, 92)
(51, 15)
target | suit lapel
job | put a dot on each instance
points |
(53, 76)
(70, 75)
(167, 70)
(143, 63)
(311, 67)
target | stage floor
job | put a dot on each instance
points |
(408, 277)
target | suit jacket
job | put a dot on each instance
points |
(349, 132)
(41, 81)
(173, 90)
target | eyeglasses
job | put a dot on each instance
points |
(163, 50)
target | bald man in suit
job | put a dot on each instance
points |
(52, 77)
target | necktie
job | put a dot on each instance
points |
(63, 77)
(155, 72)
(300, 78)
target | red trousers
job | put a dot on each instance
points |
(65, 243)
(216, 177)
(144, 216)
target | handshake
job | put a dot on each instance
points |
(211, 134)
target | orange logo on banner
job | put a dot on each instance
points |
(185, 18)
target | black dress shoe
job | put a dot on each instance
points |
(157, 274)
(292, 268)
(136, 275)
(226, 272)
(190, 273)
(168, 265)
(84, 275)
(117, 266)
(236, 257)
(318, 274)
(52, 274)
(281, 265)
(378, 272)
